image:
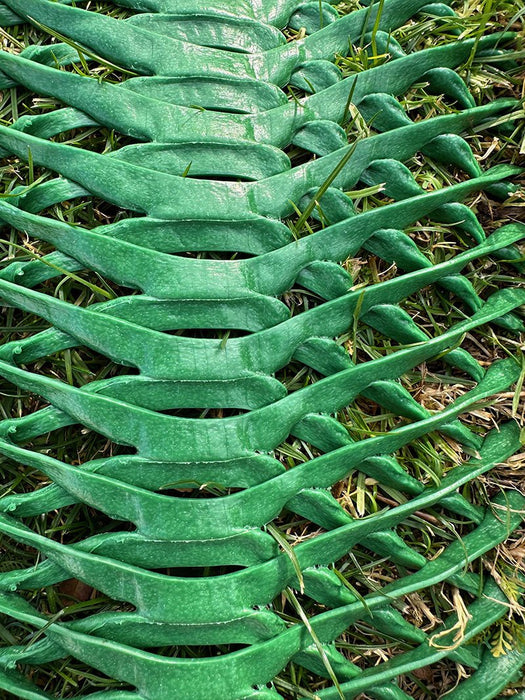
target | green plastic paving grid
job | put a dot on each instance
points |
(206, 90)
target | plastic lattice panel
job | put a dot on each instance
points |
(203, 171)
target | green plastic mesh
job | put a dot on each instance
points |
(205, 172)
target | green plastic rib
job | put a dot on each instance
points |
(205, 171)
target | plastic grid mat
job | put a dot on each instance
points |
(208, 92)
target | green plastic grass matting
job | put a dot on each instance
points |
(200, 333)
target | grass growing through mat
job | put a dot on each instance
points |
(428, 459)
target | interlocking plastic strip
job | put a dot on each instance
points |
(212, 103)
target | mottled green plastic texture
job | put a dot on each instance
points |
(205, 173)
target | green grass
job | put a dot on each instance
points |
(427, 459)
